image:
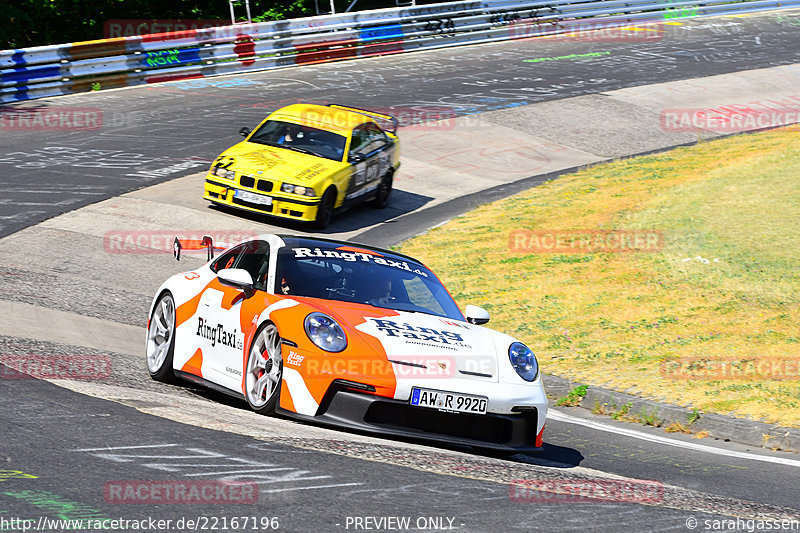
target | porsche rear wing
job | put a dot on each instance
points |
(372, 114)
(206, 243)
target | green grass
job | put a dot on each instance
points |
(574, 396)
(614, 319)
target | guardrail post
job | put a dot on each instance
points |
(246, 7)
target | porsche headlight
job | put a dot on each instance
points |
(523, 361)
(297, 189)
(223, 173)
(325, 332)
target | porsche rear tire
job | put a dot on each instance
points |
(264, 370)
(161, 339)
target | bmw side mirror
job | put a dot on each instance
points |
(238, 278)
(244, 132)
(476, 315)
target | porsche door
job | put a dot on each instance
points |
(219, 322)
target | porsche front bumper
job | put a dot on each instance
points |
(344, 407)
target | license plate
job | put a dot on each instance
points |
(448, 401)
(252, 197)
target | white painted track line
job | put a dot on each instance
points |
(552, 414)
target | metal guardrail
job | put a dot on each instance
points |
(110, 63)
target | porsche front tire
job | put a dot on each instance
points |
(264, 370)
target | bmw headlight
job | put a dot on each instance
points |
(223, 173)
(297, 189)
(325, 332)
(523, 361)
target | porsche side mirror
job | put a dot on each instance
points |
(476, 315)
(239, 278)
(244, 132)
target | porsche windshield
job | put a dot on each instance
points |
(362, 276)
(300, 138)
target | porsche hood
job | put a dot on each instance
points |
(418, 343)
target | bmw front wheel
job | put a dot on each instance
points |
(325, 209)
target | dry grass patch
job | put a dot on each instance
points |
(615, 319)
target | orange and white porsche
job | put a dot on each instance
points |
(346, 335)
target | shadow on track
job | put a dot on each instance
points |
(354, 218)
(552, 456)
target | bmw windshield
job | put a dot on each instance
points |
(300, 138)
(347, 274)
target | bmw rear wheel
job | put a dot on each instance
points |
(384, 190)
(161, 339)
(264, 370)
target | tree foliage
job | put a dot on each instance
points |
(25, 23)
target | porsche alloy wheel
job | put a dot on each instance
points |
(264, 370)
(161, 339)
(384, 190)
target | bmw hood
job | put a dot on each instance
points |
(277, 164)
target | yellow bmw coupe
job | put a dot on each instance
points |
(304, 162)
